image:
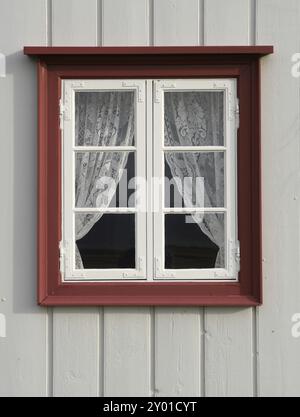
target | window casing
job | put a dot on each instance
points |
(149, 149)
(134, 64)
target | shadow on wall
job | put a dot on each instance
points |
(24, 182)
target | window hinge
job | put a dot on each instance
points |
(158, 270)
(234, 256)
(159, 86)
(140, 264)
(61, 113)
(237, 255)
(140, 90)
(237, 113)
(140, 270)
(62, 254)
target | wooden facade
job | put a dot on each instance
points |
(150, 351)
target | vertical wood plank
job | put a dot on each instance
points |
(176, 22)
(228, 352)
(74, 22)
(76, 352)
(178, 352)
(177, 333)
(229, 366)
(23, 359)
(127, 351)
(279, 360)
(76, 345)
(125, 23)
(127, 340)
(227, 22)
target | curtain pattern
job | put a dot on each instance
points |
(191, 118)
(101, 119)
(196, 118)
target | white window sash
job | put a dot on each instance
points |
(70, 273)
(230, 272)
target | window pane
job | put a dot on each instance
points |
(104, 179)
(194, 118)
(194, 179)
(104, 118)
(105, 240)
(194, 241)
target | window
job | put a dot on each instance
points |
(195, 124)
(149, 175)
(104, 232)
(107, 144)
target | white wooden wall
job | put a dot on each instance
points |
(149, 351)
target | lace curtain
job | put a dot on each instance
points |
(193, 118)
(102, 119)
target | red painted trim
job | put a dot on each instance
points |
(256, 167)
(145, 63)
(149, 50)
(239, 301)
(42, 249)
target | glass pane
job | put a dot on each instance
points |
(104, 179)
(104, 118)
(194, 118)
(105, 240)
(194, 179)
(194, 241)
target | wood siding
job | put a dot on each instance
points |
(150, 351)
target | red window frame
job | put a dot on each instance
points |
(57, 63)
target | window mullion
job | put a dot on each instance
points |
(149, 180)
(140, 173)
(104, 148)
(158, 180)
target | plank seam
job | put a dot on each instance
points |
(152, 352)
(151, 22)
(49, 22)
(99, 22)
(49, 356)
(103, 41)
(101, 352)
(203, 321)
(255, 351)
(49, 314)
(202, 351)
(201, 22)
(252, 23)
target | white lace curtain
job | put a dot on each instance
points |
(102, 119)
(190, 119)
(193, 118)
